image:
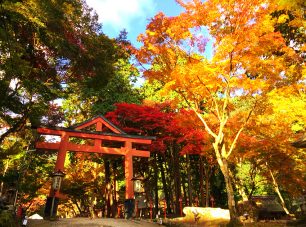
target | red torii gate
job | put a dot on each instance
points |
(104, 131)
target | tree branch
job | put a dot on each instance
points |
(213, 98)
(15, 128)
(205, 124)
(238, 134)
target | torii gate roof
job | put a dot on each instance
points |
(101, 123)
(95, 119)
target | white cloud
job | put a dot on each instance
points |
(121, 14)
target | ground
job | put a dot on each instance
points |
(109, 222)
(87, 222)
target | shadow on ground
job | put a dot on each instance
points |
(87, 222)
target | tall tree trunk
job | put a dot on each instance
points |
(276, 188)
(185, 194)
(93, 199)
(4, 172)
(156, 183)
(107, 184)
(240, 188)
(202, 193)
(207, 186)
(229, 188)
(91, 207)
(169, 178)
(177, 177)
(189, 179)
(165, 188)
(208, 172)
(222, 155)
(114, 195)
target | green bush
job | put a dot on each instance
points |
(7, 219)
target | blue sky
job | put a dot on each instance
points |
(133, 15)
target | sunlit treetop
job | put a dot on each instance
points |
(246, 46)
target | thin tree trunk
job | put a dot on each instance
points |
(91, 207)
(156, 183)
(189, 179)
(165, 188)
(170, 179)
(4, 172)
(114, 195)
(207, 173)
(207, 187)
(240, 188)
(107, 184)
(92, 199)
(276, 188)
(185, 195)
(177, 178)
(202, 193)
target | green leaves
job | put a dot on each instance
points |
(45, 45)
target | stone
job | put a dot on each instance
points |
(208, 215)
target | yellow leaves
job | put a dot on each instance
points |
(69, 9)
(28, 9)
(282, 18)
(267, 26)
(251, 57)
(169, 86)
(290, 4)
(152, 48)
(226, 46)
(150, 33)
(289, 105)
(304, 72)
(248, 86)
(297, 23)
(296, 9)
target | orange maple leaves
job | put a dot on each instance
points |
(231, 92)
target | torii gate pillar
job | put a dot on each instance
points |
(61, 155)
(128, 172)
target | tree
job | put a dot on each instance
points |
(251, 59)
(290, 16)
(84, 184)
(145, 120)
(44, 46)
(89, 98)
(193, 140)
(120, 88)
(155, 120)
(267, 142)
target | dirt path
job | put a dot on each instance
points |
(86, 222)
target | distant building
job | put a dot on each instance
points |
(268, 207)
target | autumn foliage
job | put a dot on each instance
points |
(232, 90)
(225, 93)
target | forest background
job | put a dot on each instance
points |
(225, 126)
